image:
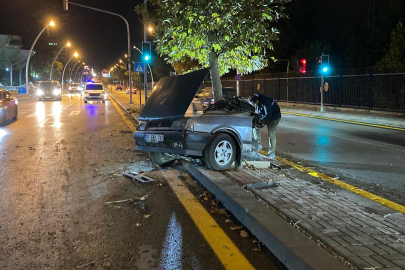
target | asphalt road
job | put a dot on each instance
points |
(60, 163)
(368, 157)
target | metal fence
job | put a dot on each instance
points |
(360, 88)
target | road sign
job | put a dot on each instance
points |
(326, 87)
(139, 67)
(238, 77)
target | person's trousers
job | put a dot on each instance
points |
(271, 127)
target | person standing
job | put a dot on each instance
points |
(270, 115)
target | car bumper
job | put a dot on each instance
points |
(101, 97)
(192, 143)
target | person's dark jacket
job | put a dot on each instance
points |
(268, 108)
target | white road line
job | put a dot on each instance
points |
(74, 113)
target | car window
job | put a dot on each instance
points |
(48, 85)
(7, 95)
(94, 87)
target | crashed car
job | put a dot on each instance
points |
(220, 135)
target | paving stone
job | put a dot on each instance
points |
(383, 261)
(396, 256)
(366, 239)
(399, 262)
(372, 262)
(351, 240)
(359, 262)
(329, 241)
(376, 249)
(340, 241)
(387, 249)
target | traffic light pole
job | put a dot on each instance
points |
(145, 72)
(321, 90)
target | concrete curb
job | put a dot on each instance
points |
(123, 107)
(294, 249)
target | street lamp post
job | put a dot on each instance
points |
(52, 24)
(128, 35)
(63, 73)
(145, 74)
(53, 63)
(288, 69)
(80, 66)
(71, 71)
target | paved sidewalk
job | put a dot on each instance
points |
(343, 114)
(365, 233)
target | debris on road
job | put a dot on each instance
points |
(138, 225)
(244, 233)
(146, 216)
(262, 185)
(139, 178)
(236, 228)
(120, 201)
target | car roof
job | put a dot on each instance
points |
(94, 83)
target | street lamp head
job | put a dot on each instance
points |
(68, 44)
(120, 61)
(52, 23)
(76, 54)
(126, 55)
(150, 29)
(7, 69)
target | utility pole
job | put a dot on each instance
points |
(324, 70)
(145, 73)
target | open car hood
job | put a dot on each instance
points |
(172, 96)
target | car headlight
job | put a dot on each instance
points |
(190, 125)
(79, 88)
(141, 126)
(105, 96)
(40, 92)
(56, 92)
(70, 88)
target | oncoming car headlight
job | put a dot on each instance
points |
(56, 92)
(70, 88)
(40, 92)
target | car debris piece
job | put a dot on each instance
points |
(244, 233)
(120, 201)
(140, 178)
(259, 164)
(146, 216)
(138, 225)
(262, 185)
(141, 205)
(236, 228)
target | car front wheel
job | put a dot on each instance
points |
(15, 114)
(161, 159)
(220, 152)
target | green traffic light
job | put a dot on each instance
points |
(147, 57)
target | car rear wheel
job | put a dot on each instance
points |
(220, 152)
(161, 159)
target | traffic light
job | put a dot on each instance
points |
(146, 52)
(302, 66)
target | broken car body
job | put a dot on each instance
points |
(219, 135)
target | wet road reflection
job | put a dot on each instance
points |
(40, 113)
(172, 247)
(2, 133)
(56, 112)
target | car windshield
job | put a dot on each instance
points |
(94, 87)
(75, 84)
(48, 85)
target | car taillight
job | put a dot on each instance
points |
(212, 101)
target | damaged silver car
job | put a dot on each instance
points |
(221, 135)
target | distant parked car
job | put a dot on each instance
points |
(133, 90)
(118, 87)
(8, 107)
(204, 97)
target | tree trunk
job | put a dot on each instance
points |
(215, 78)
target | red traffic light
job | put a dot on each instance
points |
(302, 66)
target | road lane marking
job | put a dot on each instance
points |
(390, 204)
(226, 251)
(74, 113)
(129, 123)
(344, 121)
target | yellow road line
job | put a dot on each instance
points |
(129, 123)
(358, 191)
(345, 121)
(229, 255)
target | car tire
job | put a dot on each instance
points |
(16, 114)
(161, 159)
(85, 101)
(220, 152)
(3, 119)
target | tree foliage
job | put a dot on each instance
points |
(223, 34)
(237, 31)
(394, 59)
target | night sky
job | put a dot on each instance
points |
(100, 38)
(355, 33)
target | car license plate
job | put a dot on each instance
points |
(48, 97)
(154, 138)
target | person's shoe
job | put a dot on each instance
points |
(259, 147)
(272, 156)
